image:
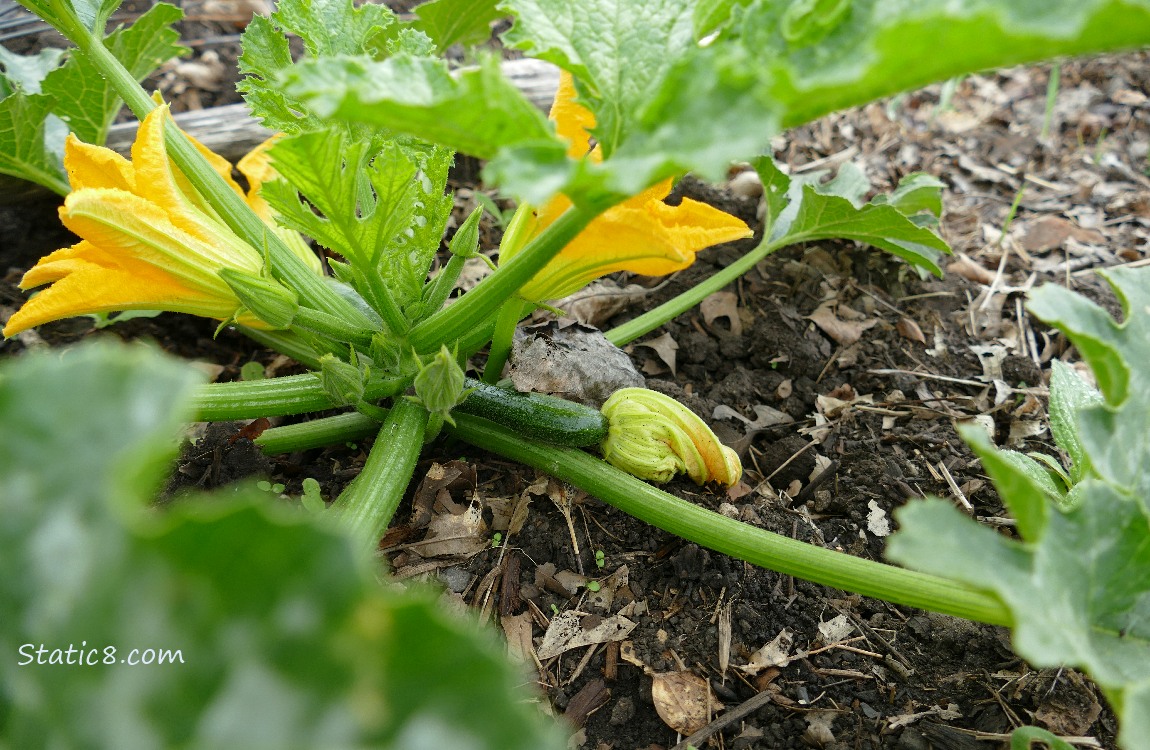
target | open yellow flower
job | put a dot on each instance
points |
(149, 239)
(643, 234)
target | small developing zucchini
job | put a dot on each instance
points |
(536, 415)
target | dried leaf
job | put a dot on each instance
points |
(683, 700)
(1050, 232)
(517, 628)
(836, 629)
(462, 535)
(665, 347)
(968, 269)
(722, 305)
(777, 653)
(908, 329)
(572, 629)
(843, 332)
(599, 301)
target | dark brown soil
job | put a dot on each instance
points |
(891, 677)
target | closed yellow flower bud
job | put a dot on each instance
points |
(654, 437)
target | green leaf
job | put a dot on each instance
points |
(1024, 738)
(619, 51)
(25, 72)
(275, 631)
(1078, 586)
(819, 56)
(72, 17)
(1113, 435)
(85, 100)
(1024, 485)
(384, 211)
(711, 15)
(26, 128)
(1069, 394)
(1080, 596)
(35, 120)
(916, 193)
(329, 28)
(450, 22)
(476, 112)
(800, 210)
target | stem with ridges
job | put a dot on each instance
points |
(501, 342)
(277, 397)
(318, 433)
(368, 503)
(680, 304)
(453, 322)
(731, 537)
(696, 524)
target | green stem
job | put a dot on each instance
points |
(369, 502)
(232, 209)
(501, 342)
(277, 397)
(453, 322)
(317, 433)
(683, 519)
(331, 327)
(731, 537)
(675, 306)
(285, 342)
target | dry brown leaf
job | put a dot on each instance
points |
(843, 332)
(777, 653)
(1050, 232)
(600, 301)
(683, 700)
(517, 628)
(819, 731)
(722, 305)
(908, 329)
(665, 347)
(462, 535)
(968, 269)
(572, 629)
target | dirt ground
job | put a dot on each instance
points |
(870, 366)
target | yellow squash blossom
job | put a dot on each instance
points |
(643, 234)
(149, 239)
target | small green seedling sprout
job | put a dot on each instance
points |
(600, 559)
(496, 539)
(593, 586)
(267, 486)
(311, 499)
(252, 371)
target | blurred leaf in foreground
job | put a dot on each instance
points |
(222, 622)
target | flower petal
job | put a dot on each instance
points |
(96, 166)
(159, 181)
(133, 229)
(572, 120)
(90, 280)
(649, 238)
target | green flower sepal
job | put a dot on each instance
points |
(654, 437)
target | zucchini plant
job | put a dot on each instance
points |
(369, 121)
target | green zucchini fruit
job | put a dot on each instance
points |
(536, 415)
